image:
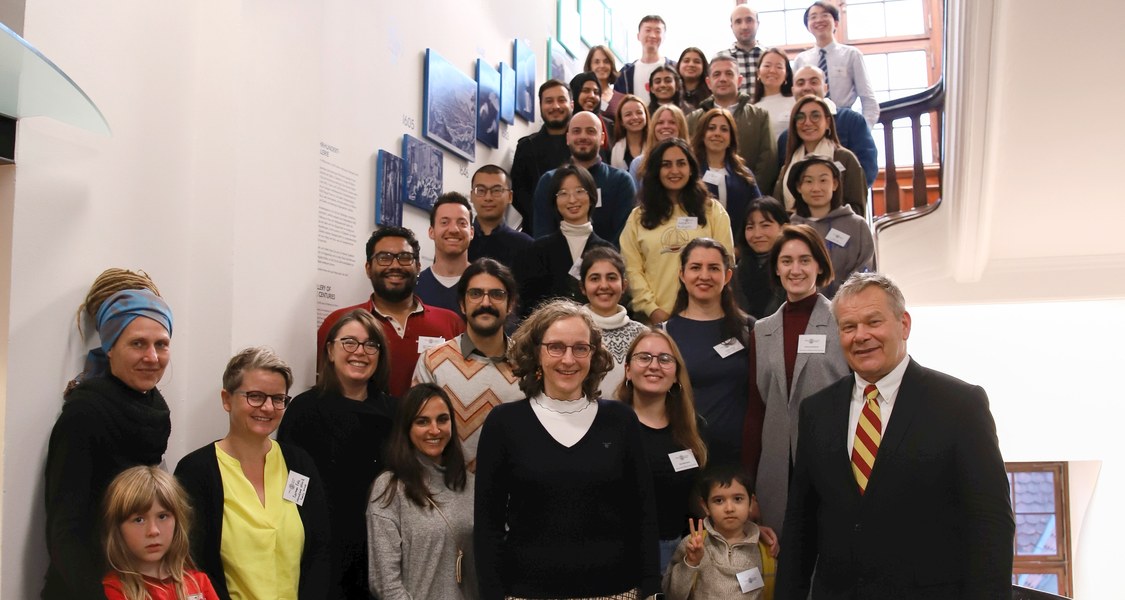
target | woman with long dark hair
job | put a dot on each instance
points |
(713, 334)
(664, 87)
(774, 89)
(600, 62)
(658, 388)
(727, 177)
(754, 275)
(420, 513)
(344, 423)
(674, 209)
(692, 67)
(604, 284)
(812, 130)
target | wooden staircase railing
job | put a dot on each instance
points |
(930, 100)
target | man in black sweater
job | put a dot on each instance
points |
(543, 150)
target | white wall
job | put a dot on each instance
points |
(210, 184)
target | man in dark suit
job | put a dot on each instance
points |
(899, 490)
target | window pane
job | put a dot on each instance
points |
(1035, 492)
(876, 66)
(1035, 533)
(798, 4)
(795, 28)
(768, 6)
(866, 21)
(907, 70)
(904, 144)
(905, 17)
(772, 34)
(1045, 582)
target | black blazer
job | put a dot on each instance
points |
(198, 472)
(544, 271)
(935, 522)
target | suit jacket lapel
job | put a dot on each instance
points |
(818, 323)
(838, 440)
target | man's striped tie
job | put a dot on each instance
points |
(868, 434)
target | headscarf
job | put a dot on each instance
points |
(115, 314)
(578, 82)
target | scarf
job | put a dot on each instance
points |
(576, 236)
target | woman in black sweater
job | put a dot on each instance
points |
(564, 500)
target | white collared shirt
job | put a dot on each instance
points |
(888, 391)
(847, 77)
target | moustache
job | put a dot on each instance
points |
(486, 310)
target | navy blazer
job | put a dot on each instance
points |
(935, 521)
(544, 271)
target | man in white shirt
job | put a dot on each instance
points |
(634, 76)
(843, 65)
(913, 504)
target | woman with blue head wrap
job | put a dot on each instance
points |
(113, 418)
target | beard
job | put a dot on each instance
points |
(557, 124)
(487, 330)
(585, 156)
(390, 294)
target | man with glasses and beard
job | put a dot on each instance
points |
(543, 150)
(472, 367)
(411, 327)
(616, 190)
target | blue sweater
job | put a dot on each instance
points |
(434, 293)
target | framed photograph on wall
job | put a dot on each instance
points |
(560, 64)
(423, 166)
(389, 170)
(568, 31)
(449, 103)
(507, 94)
(524, 59)
(592, 22)
(488, 104)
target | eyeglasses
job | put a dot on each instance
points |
(644, 359)
(496, 294)
(257, 399)
(580, 194)
(815, 117)
(496, 191)
(350, 344)
(386, 258)
(558, 349)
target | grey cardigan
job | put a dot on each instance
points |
(811, 373)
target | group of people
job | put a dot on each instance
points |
(600, 398)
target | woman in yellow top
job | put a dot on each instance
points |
(675, 208)
(262, 521)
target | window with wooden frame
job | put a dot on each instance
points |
(901, 41)
(1040, 498)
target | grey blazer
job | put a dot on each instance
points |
(811, 373)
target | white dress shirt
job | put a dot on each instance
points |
(847, 77)
(888, 392)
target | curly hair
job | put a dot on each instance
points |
(523, 353)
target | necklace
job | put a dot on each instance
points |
(585, 405)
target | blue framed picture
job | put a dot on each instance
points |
(488, 104)
(567, 32)
(524, 59)
(388, 189)
(422, 184)
(449, 103)
(507, 94)
(560, 64)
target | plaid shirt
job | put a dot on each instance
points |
(747, 65)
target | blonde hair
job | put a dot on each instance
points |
(134, 491)
(110, 282)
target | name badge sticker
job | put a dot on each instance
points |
(599, 204)
(687, 222)
(714, 178)
(837, 237)
(728, 347)
(683, 460)
(576, 269)
(296, 488)
(750, 580)
(813, 343)
(426, 342)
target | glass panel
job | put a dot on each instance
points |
(904, 144)
(1035, 534)
(1045, 582)
(33, 86)
(877, 73)
(795, 30)
(774, 34)
(1035, 492)
(798, 4)
(765, 6)
(905, 18)
(866, 21)
(907, 70)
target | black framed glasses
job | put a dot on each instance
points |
(495, 294)
(496, 191)
(557, 349)
(350, 344)
(384, 259)
(257, 399)
(644, 359)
